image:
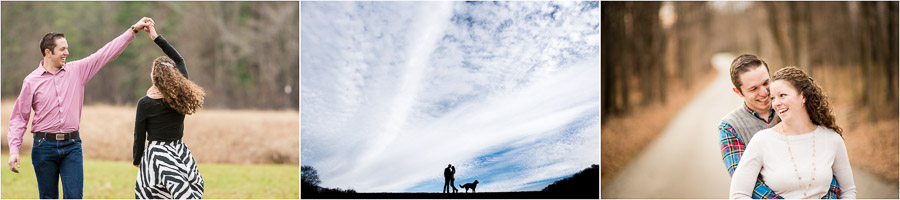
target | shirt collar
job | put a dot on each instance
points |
(771, 114)
(44, 70)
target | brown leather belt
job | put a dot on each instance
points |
(56, 136)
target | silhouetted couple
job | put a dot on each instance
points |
(448, 179)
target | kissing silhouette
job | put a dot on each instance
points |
(448, 179)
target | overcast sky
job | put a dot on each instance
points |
(393, 92)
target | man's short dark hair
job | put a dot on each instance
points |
(743, 64)
(49, 41)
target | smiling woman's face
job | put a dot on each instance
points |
(787, 100)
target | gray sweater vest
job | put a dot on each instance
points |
(746, 125)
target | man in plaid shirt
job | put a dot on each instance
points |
(750, 77)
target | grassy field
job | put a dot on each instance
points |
(115, 180)
(214, 136)
(242, 154)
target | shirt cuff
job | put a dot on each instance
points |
(14, 150)
(129, 33)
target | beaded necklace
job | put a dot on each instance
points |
(799, 177)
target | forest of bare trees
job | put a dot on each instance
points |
(637, 48)
(244, 54)
(647, 46)
(837, 36)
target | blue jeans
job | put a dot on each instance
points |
(55, 159)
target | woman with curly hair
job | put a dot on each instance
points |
(798, 156)
(166, 168)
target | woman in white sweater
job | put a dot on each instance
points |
(798, 156)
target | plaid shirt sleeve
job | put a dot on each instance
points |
(835, 191)
(732, 149)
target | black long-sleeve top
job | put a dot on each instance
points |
(154, 120)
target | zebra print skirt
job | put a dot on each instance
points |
(168, 171)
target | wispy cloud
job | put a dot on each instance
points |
(394, 91)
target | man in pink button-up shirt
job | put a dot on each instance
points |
(55, 91)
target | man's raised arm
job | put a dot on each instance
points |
(89, 66)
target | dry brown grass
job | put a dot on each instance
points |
(214, 136)
(871, 144)
(622, 137)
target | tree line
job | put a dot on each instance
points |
(244, 54)
(649, 46)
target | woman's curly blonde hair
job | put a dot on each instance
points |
(817, 106)
(178, 92)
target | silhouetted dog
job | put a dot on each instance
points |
(470, 185)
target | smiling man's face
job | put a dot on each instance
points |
(755, 89)
(59, 53)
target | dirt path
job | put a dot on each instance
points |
(685, 161)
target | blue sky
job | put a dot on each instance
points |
(392, 92)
